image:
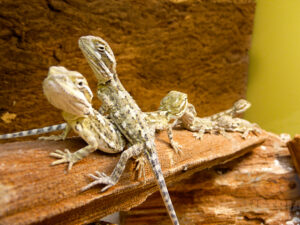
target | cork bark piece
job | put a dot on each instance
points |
(261, 187)
(33, 192)
(193, 46)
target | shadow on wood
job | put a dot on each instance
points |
(32, 191)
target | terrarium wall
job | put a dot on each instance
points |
(197, 47)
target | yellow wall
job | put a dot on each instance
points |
(274, 75)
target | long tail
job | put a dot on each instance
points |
(34, 131)
(155, 165)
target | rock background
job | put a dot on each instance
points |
(198, 47)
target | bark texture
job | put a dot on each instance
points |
(260, 188)
(33, 192)
(198, 47)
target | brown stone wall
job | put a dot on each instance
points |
(198, 47)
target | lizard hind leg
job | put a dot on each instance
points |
(102, 178)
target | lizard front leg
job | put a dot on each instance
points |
(174, 144)
(102, 178)
(71, 158)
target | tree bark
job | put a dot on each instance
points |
(33, 192)
(261, 187)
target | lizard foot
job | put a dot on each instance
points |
(246, 133)
(140, 167)
(64, 157)
(177, 147)
(198, 135)
(51, 138)
(99, 178)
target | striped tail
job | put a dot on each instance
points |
(34, 131)
(155, 165)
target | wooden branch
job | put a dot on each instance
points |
(32, 191)
(260, 188)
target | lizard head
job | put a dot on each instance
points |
(175, 103)
(68, 90)
(241, 106)
(100, 57)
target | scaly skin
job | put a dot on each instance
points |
(172, 108)
(69, 91)
(238, 107)
(219, 122)
(127, 116)
(37, 131)
(187, 116)
(227, 123)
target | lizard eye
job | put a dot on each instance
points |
(100, 48)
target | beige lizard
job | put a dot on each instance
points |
(127, 116)
(69, 91)
(216, 123)
(219, 122)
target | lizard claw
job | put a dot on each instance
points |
(198, 135)
(64, 157)
(177, 147)
(140, 167)
(99, 178)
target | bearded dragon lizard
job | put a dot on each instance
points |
(125, 114)
(69, 91)
(172, 108)
(219, 122)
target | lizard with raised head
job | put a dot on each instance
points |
(219, 122)
(125, 114)
(69, 91)
(171, 109)
(163, 119)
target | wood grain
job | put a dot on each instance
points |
(33, 192)
(262, 187)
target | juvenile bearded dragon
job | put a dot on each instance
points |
(219, 122)
(69, 91)
(125, 114)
